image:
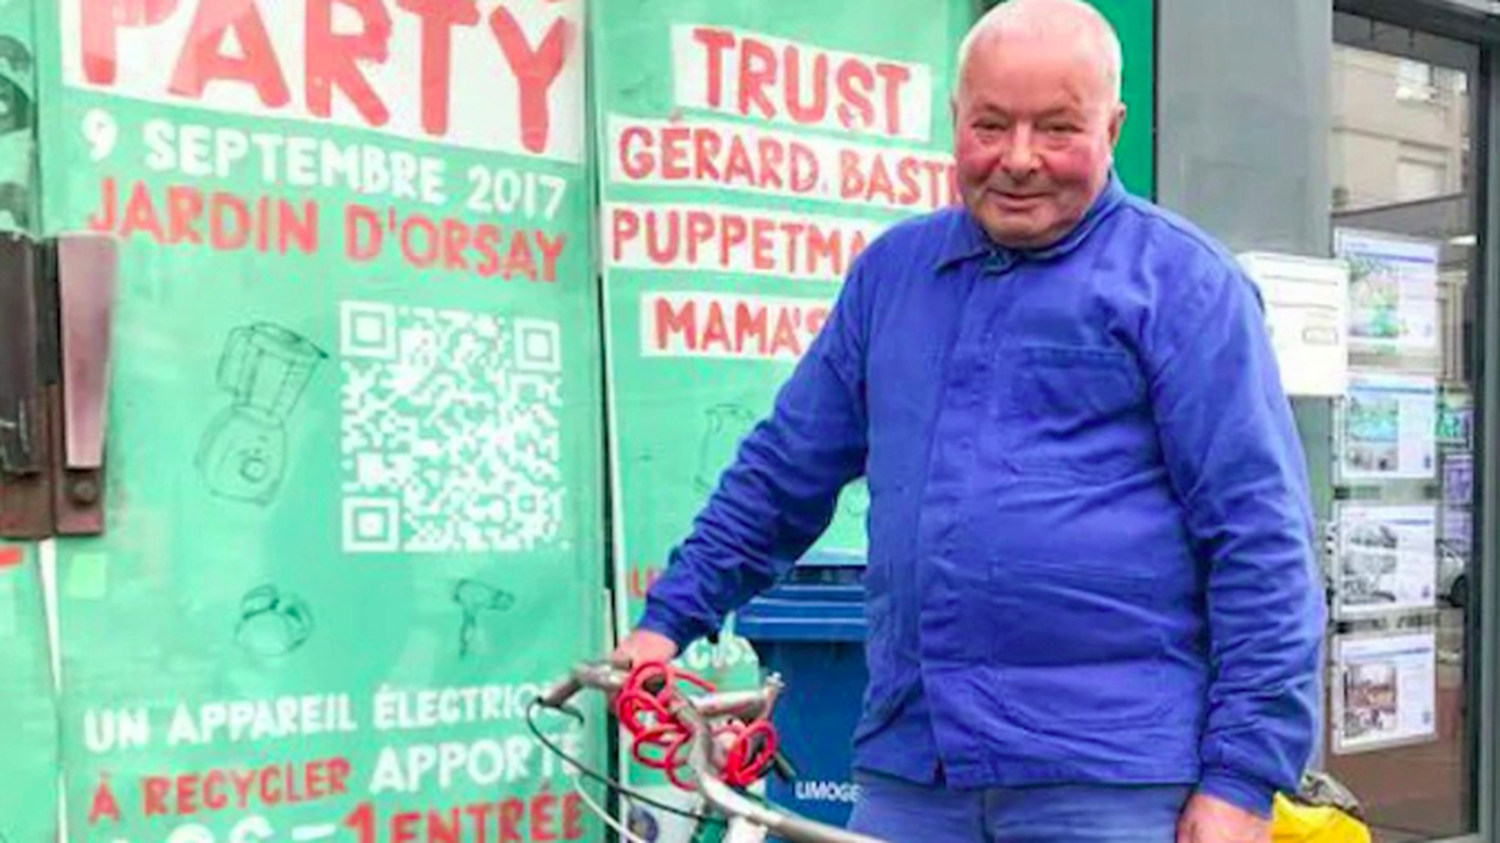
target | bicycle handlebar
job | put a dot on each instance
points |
(609, 679)
(697, 712)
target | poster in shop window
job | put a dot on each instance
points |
(748, 152)
(355, 447)
(1455, 421)
(1392, 292)
(28, 706)
(1388, 428)
(1384, 691)
(1387, 559)
(1457, 506)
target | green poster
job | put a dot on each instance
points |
(1135, 23)
(28, 715)
(18, 89)
(354, 443)
(28, 711)
(749, 150)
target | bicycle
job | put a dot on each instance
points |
(722, 739)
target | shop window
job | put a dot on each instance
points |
(1403, 662)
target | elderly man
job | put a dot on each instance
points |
(1093, 611)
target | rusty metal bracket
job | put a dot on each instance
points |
(56, 312)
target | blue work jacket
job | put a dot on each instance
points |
(1090, 538)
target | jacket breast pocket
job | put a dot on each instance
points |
(1079, 412)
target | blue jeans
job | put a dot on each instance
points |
(901, 812)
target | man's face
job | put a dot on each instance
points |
(1035, 125)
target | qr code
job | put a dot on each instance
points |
(450, 436)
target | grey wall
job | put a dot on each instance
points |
(1243, 116)
(1242, 119)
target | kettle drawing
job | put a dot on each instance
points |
(243, 453)
(727, 425)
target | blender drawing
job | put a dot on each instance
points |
(243, 453)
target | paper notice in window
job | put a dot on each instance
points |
(1307, 315)
(1384, 692)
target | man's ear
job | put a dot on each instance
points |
(1116, 123)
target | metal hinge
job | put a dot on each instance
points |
(57, 301)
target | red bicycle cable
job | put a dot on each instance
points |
(660, 739)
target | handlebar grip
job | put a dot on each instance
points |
(560, 693)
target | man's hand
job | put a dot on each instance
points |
(643, 646)
(1207, 819)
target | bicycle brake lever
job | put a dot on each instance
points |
(783, 768)
(558, 695)
(591, 674)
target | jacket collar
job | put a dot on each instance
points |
(966, 239)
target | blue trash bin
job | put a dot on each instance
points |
(810, 628)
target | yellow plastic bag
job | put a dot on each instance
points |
(1295, 822)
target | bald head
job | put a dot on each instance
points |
(1064, 24)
